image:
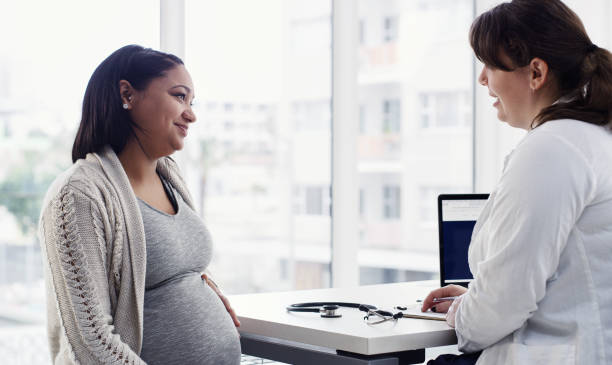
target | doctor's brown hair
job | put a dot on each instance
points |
(548, 29)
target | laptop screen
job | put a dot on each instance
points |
(457, 215)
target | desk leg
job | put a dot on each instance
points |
(301, 354)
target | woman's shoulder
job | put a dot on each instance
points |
(84, 178)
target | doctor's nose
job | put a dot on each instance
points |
(482, 78)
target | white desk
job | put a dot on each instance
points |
(269, 331)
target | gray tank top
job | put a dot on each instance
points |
(185, 322)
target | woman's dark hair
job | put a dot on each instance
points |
(104, 121)
(548, 29)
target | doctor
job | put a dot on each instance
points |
(541, 250)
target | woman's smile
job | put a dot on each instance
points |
(182, 128)
(496, 101)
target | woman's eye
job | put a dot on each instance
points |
(181, 96)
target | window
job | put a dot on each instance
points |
(274, 84)
(405, 92)
(391, 116)
(311, 115)
(314, 200)
(390, 29)
(40, 108)
(362, 119)
(428, 201)
(361, 202)
(391, 202)
(445, 109)
(311, 200)
(362, 30)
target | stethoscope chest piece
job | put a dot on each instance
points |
(329, 311)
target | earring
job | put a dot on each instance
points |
(125, 106)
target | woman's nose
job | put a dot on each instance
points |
(189, 115)
(482, 78)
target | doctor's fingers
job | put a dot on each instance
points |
(428, 301)
(446, 291)
(441, 307)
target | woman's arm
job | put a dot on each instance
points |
(539, 198)
(72, 243)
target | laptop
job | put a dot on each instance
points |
(457, 215)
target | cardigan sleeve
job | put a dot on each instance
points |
(73, 239)
(539, 198)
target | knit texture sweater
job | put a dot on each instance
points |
(94, 251)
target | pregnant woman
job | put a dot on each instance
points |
(124, 251)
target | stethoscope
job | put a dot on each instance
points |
(329, 310)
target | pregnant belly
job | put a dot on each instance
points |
(185, 322)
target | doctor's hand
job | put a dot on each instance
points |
(223, 298)
(447, 291)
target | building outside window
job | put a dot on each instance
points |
(50, 50)
(390, 29)
(400, 68)
(445, 109)
(391, 202)
(362, 202)
(311, 200)
(274, 164)
(362, 31)
(428, 201)
(391, 116)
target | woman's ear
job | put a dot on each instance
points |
(538, 73)
(126, 92)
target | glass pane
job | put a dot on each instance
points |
(47, 56)
(259, 166)
(416, 123)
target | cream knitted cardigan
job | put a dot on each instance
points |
(94, 252)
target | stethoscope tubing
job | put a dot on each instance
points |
(296, 306)
(318, 307)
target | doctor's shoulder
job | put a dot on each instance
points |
(571, 136)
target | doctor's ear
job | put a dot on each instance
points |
(539, 73)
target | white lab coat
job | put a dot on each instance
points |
(541, 253)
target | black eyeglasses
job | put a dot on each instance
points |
(377, 316)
